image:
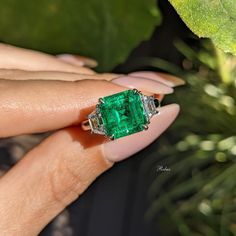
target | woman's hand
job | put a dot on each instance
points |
(40, 93)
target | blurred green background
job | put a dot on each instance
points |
(198, 196)
(199, 193)
(104, 30)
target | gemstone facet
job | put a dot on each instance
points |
(122, 114)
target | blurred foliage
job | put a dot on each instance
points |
(215, 19)
(105, 30)
(198, 196)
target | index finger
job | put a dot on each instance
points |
(33, 106)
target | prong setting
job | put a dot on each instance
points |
(112, 137)
(100, 100)
(137, 91)
(123, 114)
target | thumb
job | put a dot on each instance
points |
(56, 172)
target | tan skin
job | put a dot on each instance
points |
(40, 93)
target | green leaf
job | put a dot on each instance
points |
(106, 30)
(215, 19)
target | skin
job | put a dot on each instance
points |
(40, 93)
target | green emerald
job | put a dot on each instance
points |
(123, 114)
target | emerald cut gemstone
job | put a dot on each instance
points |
(123, 114)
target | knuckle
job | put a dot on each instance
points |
(65, 185)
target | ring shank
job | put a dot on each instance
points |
(85, 125)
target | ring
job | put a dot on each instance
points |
(122, 114)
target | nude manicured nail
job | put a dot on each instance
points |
(122, 148)
(164, 78)
(143, 84)
(78, 60)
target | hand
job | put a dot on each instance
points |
(40, 93)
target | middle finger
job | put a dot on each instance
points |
(32, 106)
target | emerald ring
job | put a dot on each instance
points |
(122, 114)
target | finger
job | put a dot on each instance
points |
(65, 76)
(144, 83)
(78, 60)
(52, 75)
(25, 59)
(33, 106)
(59, 170)
(169, 80)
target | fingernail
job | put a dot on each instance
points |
(78, 60)
(143, 84)
(164, 78)
(122, 148)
